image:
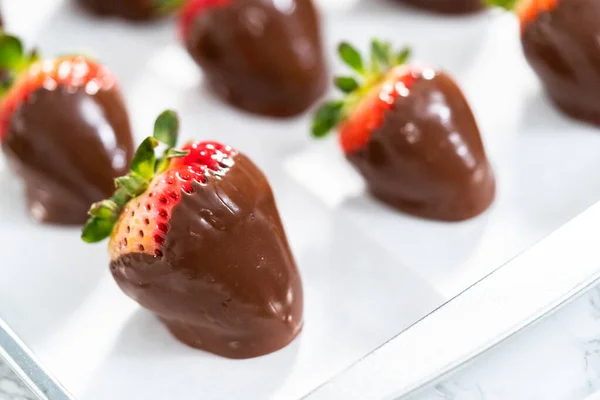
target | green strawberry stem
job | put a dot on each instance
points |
(144, 167)
(382, 60)
(13, 60)
(508, 5)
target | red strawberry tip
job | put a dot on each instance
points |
(191, 10)
(382, 60)
(526, 10)
(144, 166)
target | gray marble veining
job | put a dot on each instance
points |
(11, 388)
(558, 358)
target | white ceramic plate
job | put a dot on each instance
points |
(368, 272)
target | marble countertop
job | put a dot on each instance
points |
(557, 358)
(11, 388)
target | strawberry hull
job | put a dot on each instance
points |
(562, 47)
(427, 158)
(68, 146)
(258, 57)
(227, 282)
(448, 6)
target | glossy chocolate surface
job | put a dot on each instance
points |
(427, 159)
(448, 6)
(265, 57)
(68, 146)
(135, 10)
(562, 47)
(227, 282)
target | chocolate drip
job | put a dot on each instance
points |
(448, 6)
(260, 57)
(562, 47)
(427, 159)
(68, 146)
(227, 282)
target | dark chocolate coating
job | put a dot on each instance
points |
(562, 47)
(260, 58)
(448, 6)
(134, 10)
(227, 282)
(68, 146)
(427, 159)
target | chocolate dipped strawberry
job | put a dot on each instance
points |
(63, 129)
(195, 237)
(134, 10)
(448, 6)
(265, 57)
(410, 132)
(560, 42)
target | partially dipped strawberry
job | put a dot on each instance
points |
(265, 57)
(411, 133)
(64, 130)
(134, 10)
(527, 11)
(196, 238)
(560, 42)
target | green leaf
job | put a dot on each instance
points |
(174, 153)
(166, 128)
(346, 84)
(508, 5)
(380, 53)
(11, 52)
(132, 183)
(96, 229)
(106, 209)
(326, 118)
(164, 7)
(351, 57)
(162, 164)
(144, 159)
(403, 56)
(120, 197)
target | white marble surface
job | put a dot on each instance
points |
(11, 388)
(557, 358)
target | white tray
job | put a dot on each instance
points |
(368, 272)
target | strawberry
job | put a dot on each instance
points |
(560, 42)
(192, 10)
(72, 72)
(261, 56)
(196, 238)
(411, 134)
(135, 10)
(63, 128)
(364, 108)
(527, 10)
(145, 221)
